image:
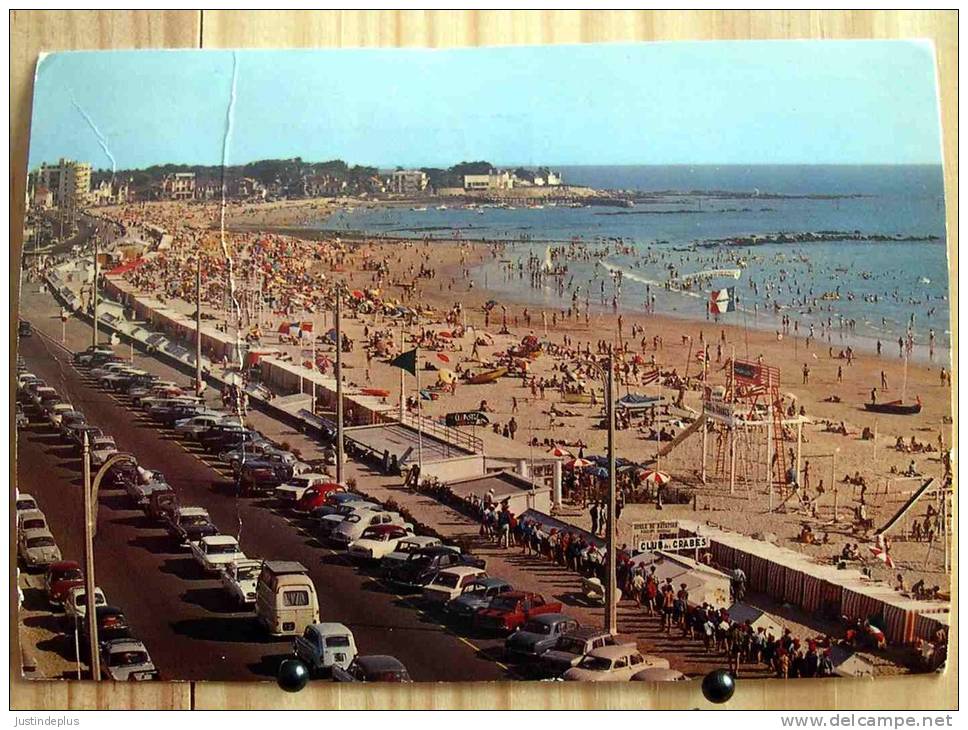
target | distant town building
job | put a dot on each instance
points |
(248, 187)
(491, 181)
(42, 198)
(316, 186)
(69, 183)
(408, 182)
(109, 192)
(179, 186)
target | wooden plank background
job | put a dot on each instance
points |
(33, 32)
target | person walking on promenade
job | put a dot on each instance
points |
(806, 474)
(594, 514)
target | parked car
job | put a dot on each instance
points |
(127, 659)
(31, 519)
(148, 482)
(537, 635)
(509, 610)
(373, 668)
(171, 415)
(37, 548)
(111, 626)
(162, 506)
(24, 328)
(213, 553)
(121, 473)
(92, 355)
(292, 490)
(56, 413)
(25, 503)
(476, 595)
(60, 578)
(572, 647)
(69, 421)
(226, 436)
(102, 448)
(450, 582)
(261, 476)
(22, 420)
(377, 541)
(659, 674)
(239, 580)
(190, 524)
(323, 646)
(423, 564)
(316, 496)
(610, 664)
(353, 526)
(77, 436)
(197, 424)
(75, 604)
(326, 524)
(406, 547)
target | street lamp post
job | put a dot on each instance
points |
(94, 288)
(611, 603)
(89, 584)
(339, 385)
(198, 321)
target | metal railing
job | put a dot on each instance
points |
(447, 434)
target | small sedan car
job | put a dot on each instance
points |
(449, 583)
(374, 668)
(377, 541)
(215, 552)
(126, 660)
(60, 578)
(75, 605)
(239, 580)
(26, 503)
(537, 635)
(37, 548)
(476, 595)
(612, 664)
(102, 449)
(572, 647)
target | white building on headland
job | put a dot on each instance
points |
(69, 183)
(408, 182)
(179, 186)
(492, 181)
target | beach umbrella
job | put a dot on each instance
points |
(578, 463)
(442, 357)
(357, 294)
(599, 471)
(559, 452)
(446, 376)
(655, 477)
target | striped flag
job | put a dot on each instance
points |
(722, 300)
(879, 551)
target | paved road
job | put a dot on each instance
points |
(190, 629)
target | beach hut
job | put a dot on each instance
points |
(849, 663)
(705, 584)
(757, 618)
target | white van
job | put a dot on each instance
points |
(285, 598)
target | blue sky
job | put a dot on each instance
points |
(807, 102)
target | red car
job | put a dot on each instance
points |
(60, 578)
(316, 496)
(507, 611)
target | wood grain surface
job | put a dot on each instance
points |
(33, 32)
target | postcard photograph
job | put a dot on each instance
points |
(619, 362)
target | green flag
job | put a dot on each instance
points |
(406, 361)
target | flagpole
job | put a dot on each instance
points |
(419, 415)
(312, 336)
(402, 384)
(339, 388)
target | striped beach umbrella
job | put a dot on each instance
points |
(578, 463)
(559, 452)
(655, 477)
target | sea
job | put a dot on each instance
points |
(875, 290)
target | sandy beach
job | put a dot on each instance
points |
(432, 277)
